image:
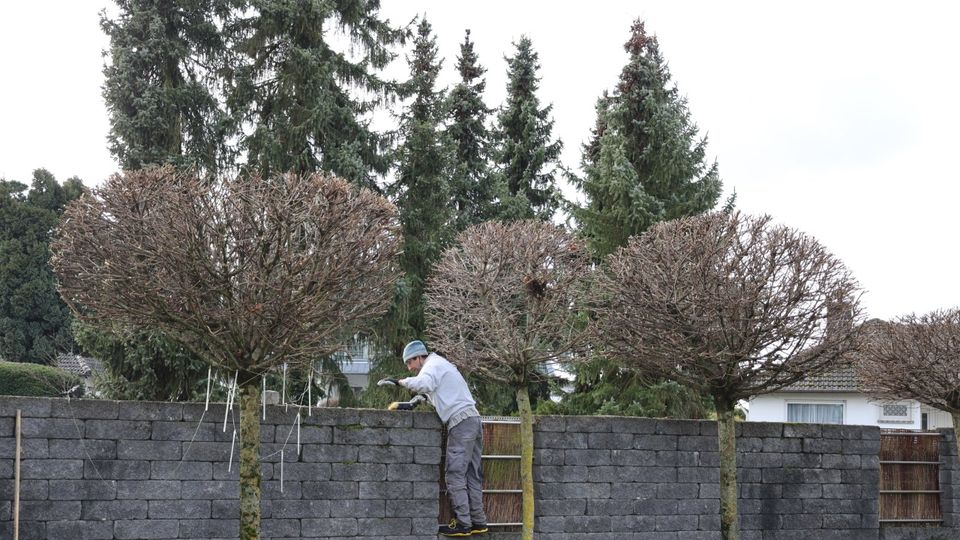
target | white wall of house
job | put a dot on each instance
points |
(857, 409)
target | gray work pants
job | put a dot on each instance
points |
(464, 475)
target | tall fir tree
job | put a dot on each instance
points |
(474, 188)
(644, 163)
(304, 103)
(161, 83)
(422, 195)
(34, 321)
(163, 89)
(526, 156)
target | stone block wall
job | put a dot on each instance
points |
(659, 480)
(126, 470)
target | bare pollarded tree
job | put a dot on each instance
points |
(502, 304)
(916, 357)
(248, 273)
(730, 305)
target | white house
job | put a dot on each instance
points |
(835, 398)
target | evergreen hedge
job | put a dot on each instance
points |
(26, 379)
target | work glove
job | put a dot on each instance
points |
(389, 381)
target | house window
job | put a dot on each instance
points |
(815, 413)
(895, 412)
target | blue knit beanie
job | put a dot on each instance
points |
(414, 349)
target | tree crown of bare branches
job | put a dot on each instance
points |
(726, 303)
(246, 272)
(915, 357)
(503, 300)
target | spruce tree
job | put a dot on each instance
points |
(645, 163)
(473, 186)
(422, 195)
(306, 103)
(526, 156)
(34, 322)
(161, 83)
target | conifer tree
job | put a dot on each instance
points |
(473, 186)
(304, 101)
(645, 163)
(161, 83)
(526, 156)
(422, 195)
(34, 322)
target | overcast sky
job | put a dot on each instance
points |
(837, 118)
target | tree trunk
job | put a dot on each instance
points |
(956, 426)
(727, 436)
(250, 461)
(526, 461)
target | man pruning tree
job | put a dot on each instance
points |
(447, 390)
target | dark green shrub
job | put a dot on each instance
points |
(25, 379)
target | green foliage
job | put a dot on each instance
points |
(474, 188)
(34, 322)
(422, 195)
(23, 379)
(298, 92)
(526, 156)
(645, 162)
(143, 365)
(160, 83)
(601, 388)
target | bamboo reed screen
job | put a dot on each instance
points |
(910, 479)
(501, 437)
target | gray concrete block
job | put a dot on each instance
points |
(208, 489)
(632, 458)
(49, 510)
(610, 441)
(359, 508)
(586, 524)
(288, 489)
(209, 528)
(411, 508)
(756, 429)
(355, 434)
(118, 429)
(80, 530)
(112, 510)
(148, 450)
(561, 440)
(279, 528)
(330, 491)
(116, 470)
(698, 475)
(181, 470)
(409, 472)
(656, 442)
(358, 471)
(226, 509)
(677, 491)
(179, 509)
(550, 423)
(561, 507)
(328, 527)
(82, 490)
(82, 449)
(675, 523)
(29, 407)
(430, 455)
(51, 469)
(386, 419)
(295, 509)
(385, 490)
(145, 410)
(587, 457)
(83, 408)
(52, 428)
(146, 529)
(330, 453)
(822, 446)
(308, 435)
(148, 489)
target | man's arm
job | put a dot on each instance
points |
(426, 381)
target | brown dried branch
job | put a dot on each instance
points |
(503, 301)
(246, 272)
(917, 357)
(728, 304)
